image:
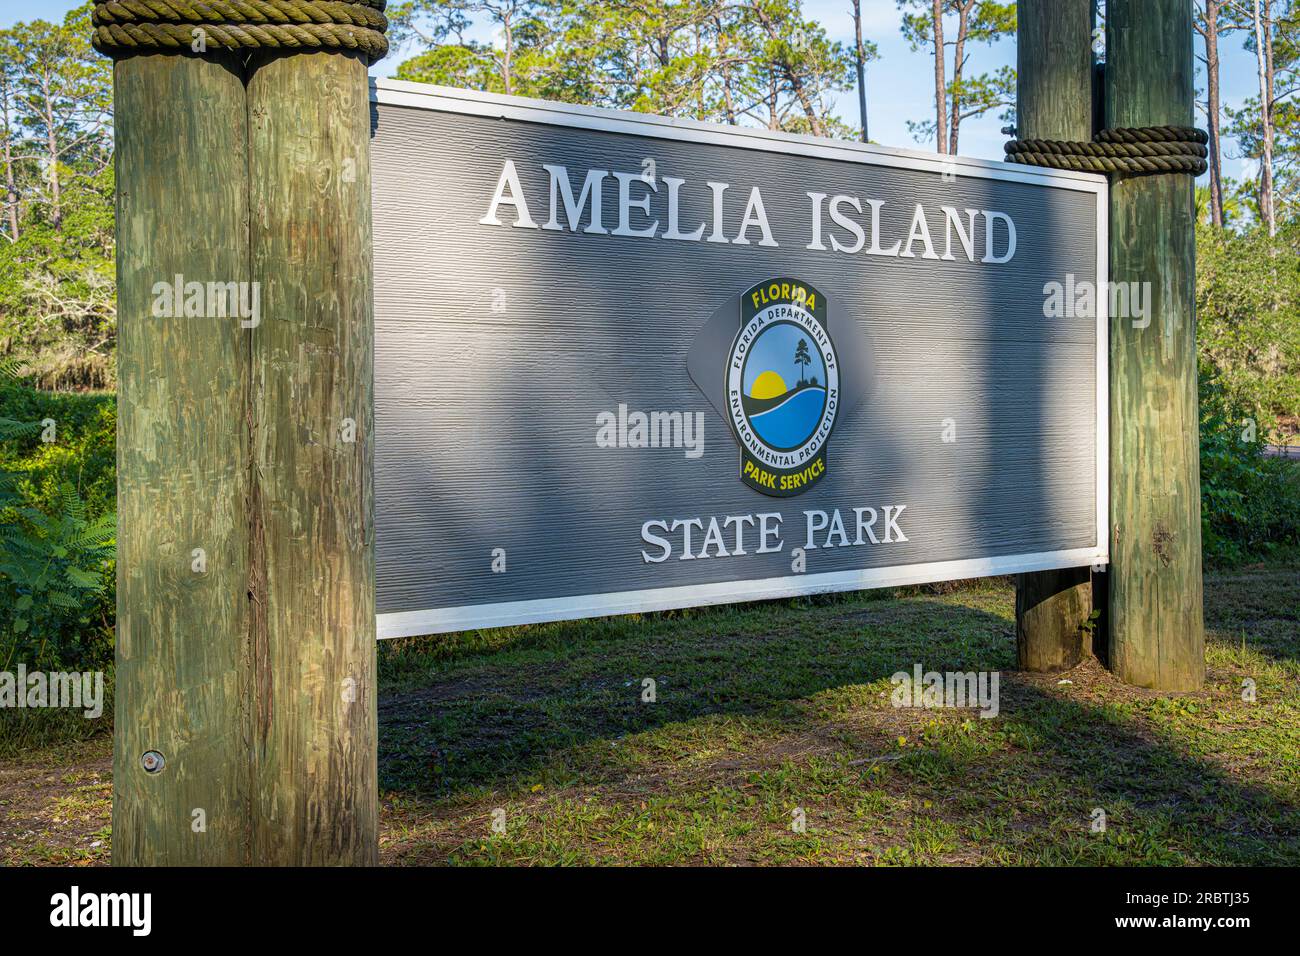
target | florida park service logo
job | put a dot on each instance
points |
(783, 387)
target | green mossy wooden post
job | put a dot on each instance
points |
(182, 465)
(1156, 633)
(250, 668)
(1054, 66)
(315, 735)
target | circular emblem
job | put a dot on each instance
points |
(783, 387)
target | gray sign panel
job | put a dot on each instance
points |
(624, 363)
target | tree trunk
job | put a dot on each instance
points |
(700, 113)
(958, 67)
(1054, 82)
(792, 76)
(1212, 11)
(1264, 60)
(11, 187)
(861, 64)
(940, 85)
(508, 70)
(801, 94)
(52, 153)
(728, 100)
(1156, 630)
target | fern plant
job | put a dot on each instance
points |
(55, 567)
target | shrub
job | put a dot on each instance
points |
(54, 576)
(1250, 502)
(57, 529)
(83, 453)
(1248, 321)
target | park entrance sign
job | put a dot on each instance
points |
(625, 363)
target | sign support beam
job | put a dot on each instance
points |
(1053, 101)
(1157, 635)
(182, 452)
(245, 728)
(314, 718)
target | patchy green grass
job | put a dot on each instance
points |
(765, 714)
(56, 805)
(534, 745)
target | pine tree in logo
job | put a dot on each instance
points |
(802, 358)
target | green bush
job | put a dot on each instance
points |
(55, 571)
(1248, 321)
(57, 533)
(82, 454)
(1250, 502)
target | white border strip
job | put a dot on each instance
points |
(1103, 378)
(510, 613)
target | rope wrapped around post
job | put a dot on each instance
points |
(1144, 151)
(126, 27)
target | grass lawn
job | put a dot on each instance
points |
(763, 710)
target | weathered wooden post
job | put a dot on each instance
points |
(182, 462)
(1152, 153)
(315, 735)
(1157, 638)
(245, 714)
(1054, 65)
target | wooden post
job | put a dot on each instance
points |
(1054, 67)
(1156, 632)
(182, 464)
(315, 734)
(246, 616)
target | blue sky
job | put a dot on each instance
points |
(898, 84)
(774, 350)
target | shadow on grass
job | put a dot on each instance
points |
(1258, 606)
(563, 703)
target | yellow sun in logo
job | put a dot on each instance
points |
(768, 385)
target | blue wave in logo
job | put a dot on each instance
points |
(793, 421)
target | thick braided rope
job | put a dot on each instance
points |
(123, 27)
(1148, 150)
(362, 13)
